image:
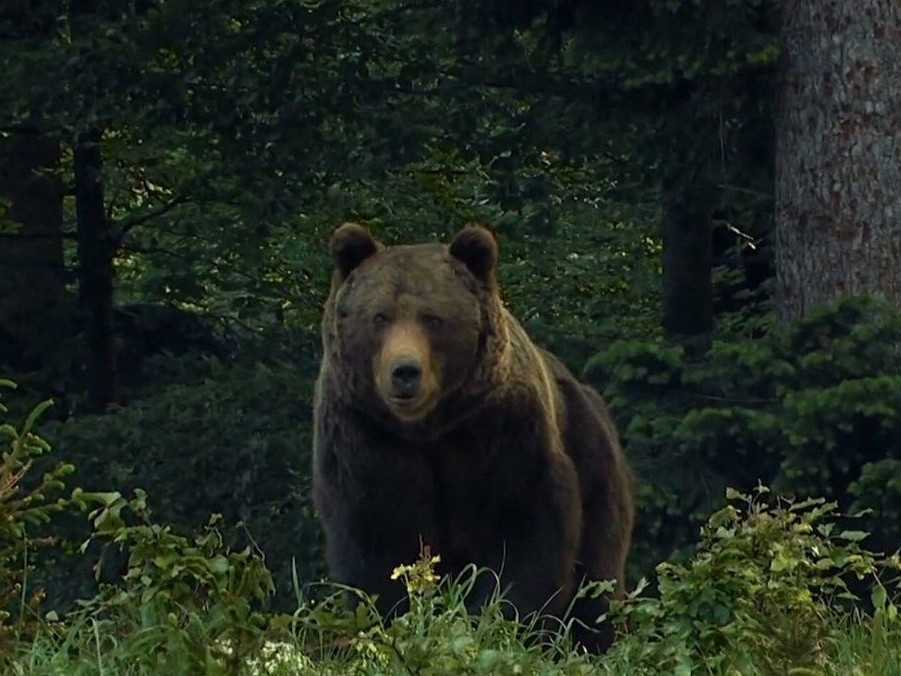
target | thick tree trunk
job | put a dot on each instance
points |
(838, 153)
(32, 283)
(95, 260)
(687, 263)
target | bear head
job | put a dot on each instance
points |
(413, 333)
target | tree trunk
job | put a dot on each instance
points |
(95, 260)
(32, 283)
(838, 153)
(687, 264)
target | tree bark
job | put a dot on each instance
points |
(32, 282)
(838, 153)
(95, 260)
(687, 265)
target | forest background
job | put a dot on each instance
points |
(698, 205)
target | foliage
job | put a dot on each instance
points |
(230, 150)
(208, 438)
(761, 597)
(25, 506)
(758, 597)
(812, 408)
(186, 604)
(600, 254)
(878, 491)
(436, 635)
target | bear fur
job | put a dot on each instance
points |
(438, 422)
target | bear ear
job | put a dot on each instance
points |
(476, 247)
(351, 245)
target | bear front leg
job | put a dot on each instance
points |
(536, 531)
(375, 506)
(357, 560)
(541, 552)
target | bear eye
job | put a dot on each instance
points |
(432, 321)
(379, 318)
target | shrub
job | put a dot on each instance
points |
(232, 439)
(759, 597)
(184, 605)
(813, 408)
(26, 504)
(436, 637)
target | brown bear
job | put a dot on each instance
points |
(439, 422)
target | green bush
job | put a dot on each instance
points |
(761, 595)
(185, 605)
(229, 439)
(435, 637)
(878, 490)
(26, 505)
(813, 408)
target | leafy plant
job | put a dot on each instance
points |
(232, 439)
(25, 506)
(437, 635)
(760, 595)
(763, 596)
(812, 408)
(188, 604)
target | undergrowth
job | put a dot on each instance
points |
(772, 588)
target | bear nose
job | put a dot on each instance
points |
(405, 377)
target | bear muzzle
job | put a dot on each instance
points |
(405, 377)
(406, 390)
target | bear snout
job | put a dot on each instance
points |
(405, 374)
(406, 378)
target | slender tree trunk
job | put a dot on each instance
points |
(687, 265)
(32, 283)
(95, 258)
(838, 153)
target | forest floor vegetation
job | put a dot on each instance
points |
(775, 586)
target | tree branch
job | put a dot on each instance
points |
(130, 223)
